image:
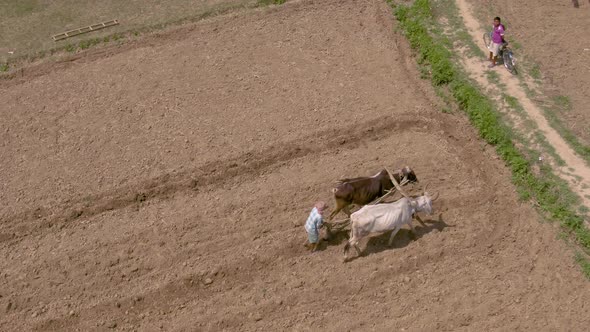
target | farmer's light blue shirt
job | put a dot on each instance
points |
(314, 221)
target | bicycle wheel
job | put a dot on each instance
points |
(487, 38)
(509, 61)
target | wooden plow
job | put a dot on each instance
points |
(341, 224)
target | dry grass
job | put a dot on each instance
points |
(27, 25)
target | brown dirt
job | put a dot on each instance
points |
(164, 186)
(555, 35)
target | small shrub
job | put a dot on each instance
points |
(515, 45)
(493, 77)
(536, 72)
(271, 2)
(563, 102)
(584, 263)
(84, 45)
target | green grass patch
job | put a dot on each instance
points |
(431, 54)
(584, 263)
(271, 2)
(514, 44)
(512, 102)
(535, 72)
(4, 67)
(563, 102)
(85, 44)
(493, 77)
(552, 195)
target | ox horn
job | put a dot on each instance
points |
(435, 197)
(424, 190)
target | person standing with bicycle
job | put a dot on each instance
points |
(497, 41)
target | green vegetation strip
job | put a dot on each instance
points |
(549, 191)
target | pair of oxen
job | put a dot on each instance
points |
(378, 218)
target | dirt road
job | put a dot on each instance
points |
(164, 184)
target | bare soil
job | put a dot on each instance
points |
(164, 184)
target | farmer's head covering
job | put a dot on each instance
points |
(321, 206)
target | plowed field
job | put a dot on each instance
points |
(163, 184)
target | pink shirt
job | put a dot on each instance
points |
(498, 34)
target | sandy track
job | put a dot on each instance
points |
(206, 234)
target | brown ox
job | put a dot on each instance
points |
(364, 190)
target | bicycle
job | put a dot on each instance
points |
(505, 53)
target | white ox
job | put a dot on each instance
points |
(385, 217)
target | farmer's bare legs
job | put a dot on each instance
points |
(315, 246)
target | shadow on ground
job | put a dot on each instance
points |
(403, 238)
